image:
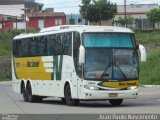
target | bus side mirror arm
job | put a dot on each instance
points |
(143, 53)
(81, 54)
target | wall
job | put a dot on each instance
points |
(33, 23)
(12, 10)
(75, 17)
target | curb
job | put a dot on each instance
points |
(150, 86)
(5, 82)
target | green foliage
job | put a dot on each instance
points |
(150, 70)
(97, 10)
(121, 21)
(147, 37)
(154, 15)
(130, 20)
(5, 48)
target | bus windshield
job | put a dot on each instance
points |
(110, 56)
(108, 40)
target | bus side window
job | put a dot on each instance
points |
(14, 48)
(32, 47)
(41, 47)
(67, 43)
(17, 48)
(24, 47)
(58, 44)
(49, 45)
(76, 45)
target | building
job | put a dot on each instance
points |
(13, 13)
(32, 7)
(27, 14)
(138, 11)
(10, 11)
(11, 7)
(75, 19)
(45, 19)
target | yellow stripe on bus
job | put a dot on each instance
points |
(120, 85)
(31, 68)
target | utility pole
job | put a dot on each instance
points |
(16, 22)
(44, 20)
(24, 18)
(125, 13)
(2, 22)
(100, 22)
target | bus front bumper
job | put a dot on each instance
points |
(106, 95)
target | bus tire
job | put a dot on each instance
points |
(68, 97)
(24, 93)
(38, 99)
(31, 98)
(63, 100)
(116, 102)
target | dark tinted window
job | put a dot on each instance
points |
(33, 47)
(17, 48)
(41, 46)
(79, 20)
(24, 47)
(67, 43)
(56, 44)
(49, 44)
(59, 44)
(76, 45)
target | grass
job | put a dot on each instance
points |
(2, 79)
(147, 37)
(5, 48)
(150, 70)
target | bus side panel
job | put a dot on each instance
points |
(15, 81)
(68, 75)
(47, 75)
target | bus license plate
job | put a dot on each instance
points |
(113, 94)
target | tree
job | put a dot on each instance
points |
(130, 20)
(154, 16)
(97, 10)
(138, 23)
(121, 21)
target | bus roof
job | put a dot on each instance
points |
(78, 28)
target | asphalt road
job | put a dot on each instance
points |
(148, 102)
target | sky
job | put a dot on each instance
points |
(72, 6)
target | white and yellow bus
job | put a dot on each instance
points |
(77, 63)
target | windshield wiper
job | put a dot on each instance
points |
(105, 70)
(114, 64)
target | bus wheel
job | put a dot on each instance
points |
(63, 100)
(116, 102)
(24, 92)
(68, 97)
(38, 98)
(31, 98)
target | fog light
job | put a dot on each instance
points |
(91, 87)
(132, 87)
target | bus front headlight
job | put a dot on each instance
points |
(91, 87)
(132, 87)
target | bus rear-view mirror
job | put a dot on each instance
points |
(143, 53)
(81, 54)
